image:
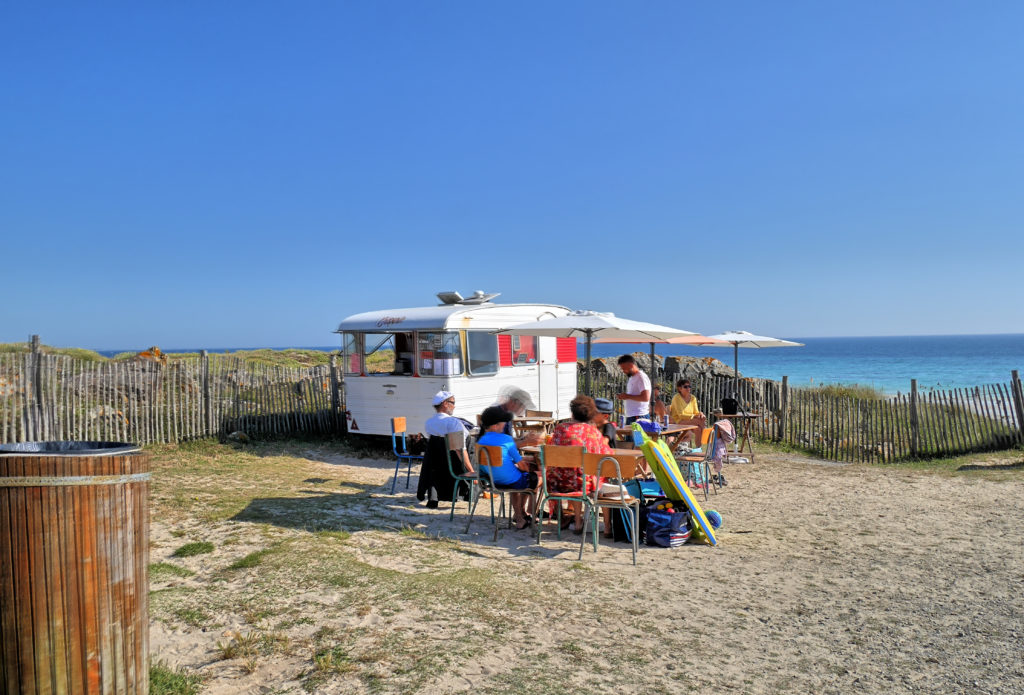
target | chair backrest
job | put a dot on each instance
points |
(709, 448)
(562, 456)
(456, 442)
(610, 466)
(490, 456)
(705, 435)
(398, 430)
(555, 456)
(539, 413)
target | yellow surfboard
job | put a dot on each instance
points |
(663, 463)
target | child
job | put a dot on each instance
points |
(513, 471)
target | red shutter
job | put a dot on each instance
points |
(505, 350)
(566, 349)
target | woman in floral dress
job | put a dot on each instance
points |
(579, 432)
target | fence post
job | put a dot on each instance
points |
(1018, 399)
(335, 401)
(204, 371)
(37, 416)
(343, 405)
(913, 419)
(783, 406)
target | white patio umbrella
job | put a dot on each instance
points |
(587, 324)
(744, 339)
(695, 339)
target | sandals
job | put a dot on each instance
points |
(566, 521)
(522, 523)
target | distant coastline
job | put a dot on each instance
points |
(887, 363)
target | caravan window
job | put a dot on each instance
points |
(440, 354)
(524, 349)
(351, 353)
(482, 349)
(380, 353)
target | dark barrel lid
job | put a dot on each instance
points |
(69, 448)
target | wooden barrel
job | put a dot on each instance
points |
(74, 553)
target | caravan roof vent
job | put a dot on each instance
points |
(479, 297)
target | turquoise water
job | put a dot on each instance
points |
(888, 363)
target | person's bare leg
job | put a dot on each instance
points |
(577, 512)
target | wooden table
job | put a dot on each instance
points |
(742, 432)
(667, 432)
(533, 423)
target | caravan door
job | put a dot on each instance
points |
(547, 387)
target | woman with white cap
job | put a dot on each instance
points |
(436, 480)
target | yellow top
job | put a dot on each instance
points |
(680, 410)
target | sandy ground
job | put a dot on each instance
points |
(828, 579)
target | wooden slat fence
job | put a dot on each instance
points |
(57, 397)
(932, 423)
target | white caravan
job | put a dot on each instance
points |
(395, 360)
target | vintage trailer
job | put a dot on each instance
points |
(395, 360)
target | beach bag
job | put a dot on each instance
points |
(730, 406)
(666, 527)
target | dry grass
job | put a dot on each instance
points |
(320, 581)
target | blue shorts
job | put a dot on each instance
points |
(527, 481)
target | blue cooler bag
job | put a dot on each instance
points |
(667, 529)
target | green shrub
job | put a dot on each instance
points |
(196, 548)
(163, 680)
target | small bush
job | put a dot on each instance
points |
(163, 680)
(250, 560)
(196, 548)
(164, 570)
(860, 391)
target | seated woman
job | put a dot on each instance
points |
(602, 420)
(579, 432)
(513, 471)
(684, 411)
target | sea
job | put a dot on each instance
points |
(887, 363)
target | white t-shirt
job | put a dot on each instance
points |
(443, 423)
(637, 384)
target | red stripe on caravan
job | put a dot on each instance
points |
(566, 349)
(505, 350)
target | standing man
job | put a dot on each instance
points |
(637, 397)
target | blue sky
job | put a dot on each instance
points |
(247, 174)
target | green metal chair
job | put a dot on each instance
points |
(552, 456)
(487, 457)
(456, 444)
(620, 468)
(696, 468)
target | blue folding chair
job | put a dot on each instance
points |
(398, 428)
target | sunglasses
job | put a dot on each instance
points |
(685, 387)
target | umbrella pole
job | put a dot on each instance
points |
(735, 367)
(586, 389)
(653, 373)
